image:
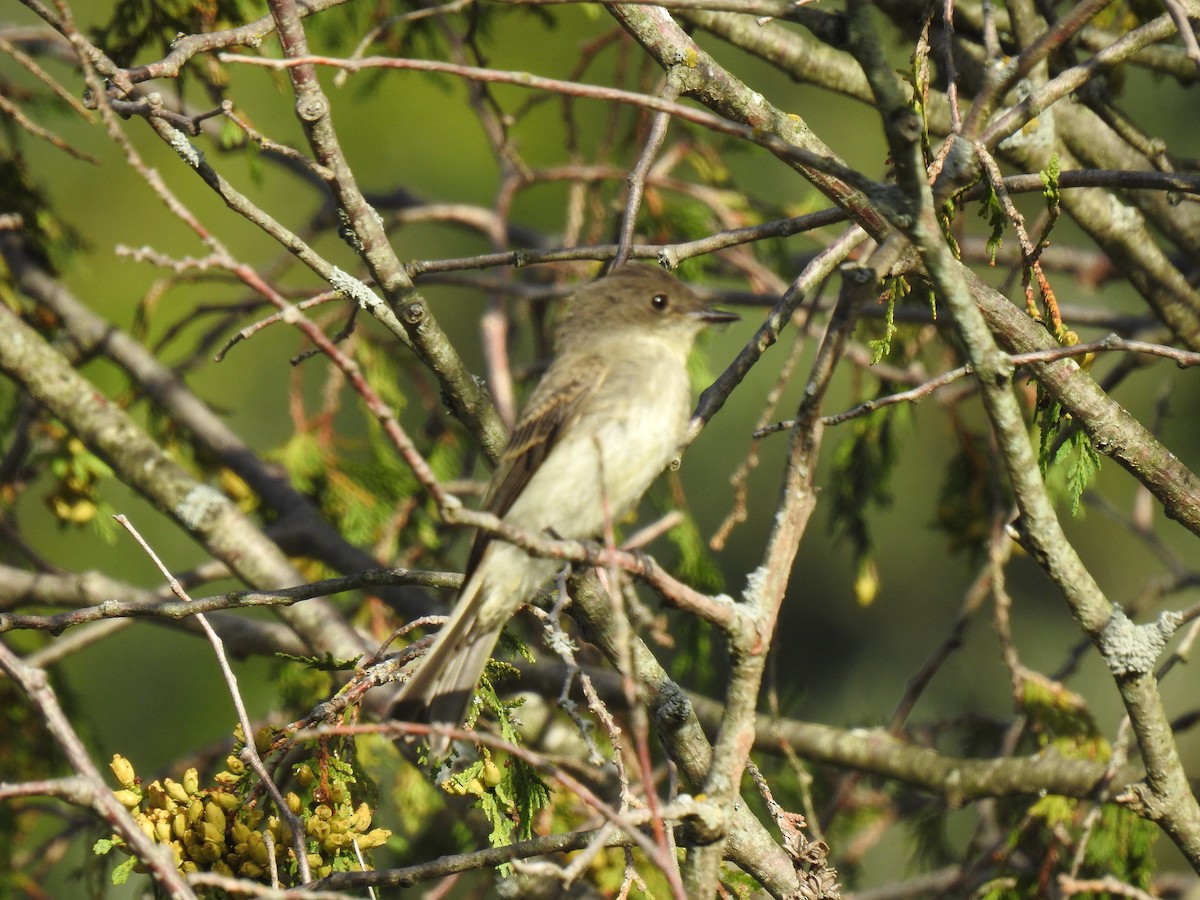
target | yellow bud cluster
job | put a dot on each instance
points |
(211, 829)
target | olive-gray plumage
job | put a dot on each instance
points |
(604, 421)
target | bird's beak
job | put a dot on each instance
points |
(717, 316)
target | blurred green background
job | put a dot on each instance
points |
(154, 695)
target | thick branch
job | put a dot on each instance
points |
(465, 395)
(204, 513)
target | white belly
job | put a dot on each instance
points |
(625, 436)
(621, 443)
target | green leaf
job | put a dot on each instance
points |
(121, 873)
(530, 795)
(511, 806)
(1066, 450)
(304, 461)
(946, 216)
(1050, 191)
(881, 347)
(993, 211)
(1048, 417)
(1055, 811)
(1122, 845)
(1082, 463)
(1050, 176)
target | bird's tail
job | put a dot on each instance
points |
(441, 688)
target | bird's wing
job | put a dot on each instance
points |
(555, 405)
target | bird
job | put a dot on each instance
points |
(603, 422)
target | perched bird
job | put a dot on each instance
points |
(604, 421)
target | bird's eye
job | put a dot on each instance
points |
(659, 302)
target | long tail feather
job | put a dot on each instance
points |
(441, 688)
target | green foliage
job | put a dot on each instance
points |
(917, 77)
(1122, 845)
(326, 663)
(1065, 449)
(1052, 196)
(381, 367)
(303, 458)
(523, 790)
(335, 801)
(881, 347)
(48, 239)
(738, 884)
(1050, 421)
(897, 290)
(509, 796)
(300, 687)
(696, 566)
(997, 889)
(1118, 845)
(122, 871)
(992, 210)
(366, 490)
(679, 220)
(666, 216)
(1058, 715)
(1046, 834)
(74, 498)
(137, 25)
(1082, 463)
(946, 215)
(495, 672)
(965, 503)
(862, 470)
(302, 682)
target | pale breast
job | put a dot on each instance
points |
(621, 442)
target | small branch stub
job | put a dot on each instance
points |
(413, 313)
(1130, 649)
(312, 109)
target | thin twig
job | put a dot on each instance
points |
(1111, 343)
(637, 178)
